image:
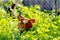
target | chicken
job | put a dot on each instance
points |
(25, 23)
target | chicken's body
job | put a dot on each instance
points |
(25, 23)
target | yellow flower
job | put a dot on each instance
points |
(59, 21)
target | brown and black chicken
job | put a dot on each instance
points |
(25, 23)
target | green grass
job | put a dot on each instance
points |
(47, 27)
